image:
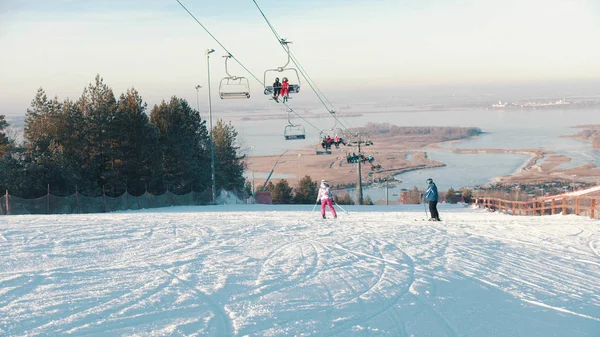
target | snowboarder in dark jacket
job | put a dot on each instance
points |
(431, 195)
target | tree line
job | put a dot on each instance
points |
(104, 144)
(305, 193)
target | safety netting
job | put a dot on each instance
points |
(79, 203)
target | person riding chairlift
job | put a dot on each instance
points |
(329, 141)
(337, 141)
(285, 89)
(276, 88)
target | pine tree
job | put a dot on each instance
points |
(98, 106)
(413, 196)
(467, 195)
(14, 177)
(135, 147)
(282, 193)
(72, 136)
(343, 199)
(229, 167)
(49, 159)
(248, 188)
(269, 187)
(306, 192)
(41, 124)
(451, 196)
(184, 141)
(4, 141)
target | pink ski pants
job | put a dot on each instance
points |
(325, 202)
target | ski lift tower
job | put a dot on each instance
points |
(366, 142)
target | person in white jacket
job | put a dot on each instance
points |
(326, 198)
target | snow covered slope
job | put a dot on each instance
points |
(255, 270)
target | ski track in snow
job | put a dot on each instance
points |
(195, 271)
(594, 246)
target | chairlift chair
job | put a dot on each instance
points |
(332, 132)
(354, 140)
(233, 86)
(319, 149)
(293, 132)
(294, 87)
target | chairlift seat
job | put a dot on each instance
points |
(294, 89)
(239, 94)
(293, 132)
(234, 87)
(292, 137)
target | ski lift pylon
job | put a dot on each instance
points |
(233, 86)
(294, 87)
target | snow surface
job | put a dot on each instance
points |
(257, 270)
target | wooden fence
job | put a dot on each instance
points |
(580, 205)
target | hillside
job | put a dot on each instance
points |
(256, 270)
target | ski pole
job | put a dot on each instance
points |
(340, 207)
(425, 206)
(315, 206)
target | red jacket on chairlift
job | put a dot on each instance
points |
(285, 88)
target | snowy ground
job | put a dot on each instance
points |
(249, 270)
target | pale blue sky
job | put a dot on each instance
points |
(155, 46)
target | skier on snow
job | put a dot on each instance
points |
(431, 194)
(326, 198)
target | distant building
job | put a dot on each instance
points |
(499, 105)
(403, 196)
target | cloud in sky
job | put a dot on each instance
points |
(156, 47)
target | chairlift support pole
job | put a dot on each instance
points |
(272, 170)
(284, 43)
(387, 199)
(227, 57)
(212, 140)
(359, 193)
(237, 81)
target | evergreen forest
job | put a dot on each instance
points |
(104, 143)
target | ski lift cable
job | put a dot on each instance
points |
(297, 114)
(238, 61)
(218, 42)
(309, 80)
(283, 43)
(311, 83)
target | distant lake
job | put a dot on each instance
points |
(504, 129)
